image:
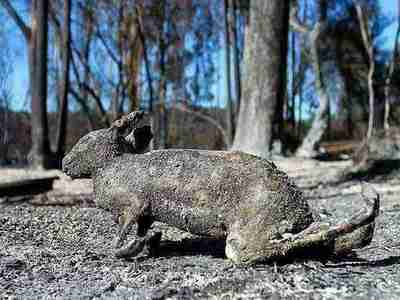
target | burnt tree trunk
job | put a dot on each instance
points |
(265, 74)
(320, 122)
(292, 106)
(39, 155)
(229, 107)
(66, 54)
(236, 59)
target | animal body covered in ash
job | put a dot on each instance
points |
(229, 195)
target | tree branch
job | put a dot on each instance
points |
(207, 119)
(88, 89)
(295, 23)
(107, 47)
(53, 19)
(84, 106)
(26, 31)
(98, 102)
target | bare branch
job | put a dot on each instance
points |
(295, 23)
(107, 47)
(84, 105)
(209, 119)
(53, 19)
(26, 31)
(87, 88)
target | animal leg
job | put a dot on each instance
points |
(337, 239)
(362, 236)
(144, 239)
(355, 233)
(126, 220)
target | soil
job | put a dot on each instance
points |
(63, 250)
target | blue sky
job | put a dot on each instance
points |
(20, 76)
(389, 8)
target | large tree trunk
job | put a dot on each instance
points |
(265, 73)
(320, 122)
(134, 65)
(66, 54)
(39, 155)
(229, 107)
(282, 96)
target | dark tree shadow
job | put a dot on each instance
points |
(376, 170)
(192, 247)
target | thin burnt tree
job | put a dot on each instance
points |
(64, 89)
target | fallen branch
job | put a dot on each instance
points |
(84, 199)
(23, 187)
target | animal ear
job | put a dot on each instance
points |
(119, 128)
(143, 136)
(130, 130)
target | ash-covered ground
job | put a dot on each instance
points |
(65, 252)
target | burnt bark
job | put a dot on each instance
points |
(264, 63)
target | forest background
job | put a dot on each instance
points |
(194, 65)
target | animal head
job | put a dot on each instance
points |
(126, 135)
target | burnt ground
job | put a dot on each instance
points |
(65, 251)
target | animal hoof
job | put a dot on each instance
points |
(154, 244)
(132, 249)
